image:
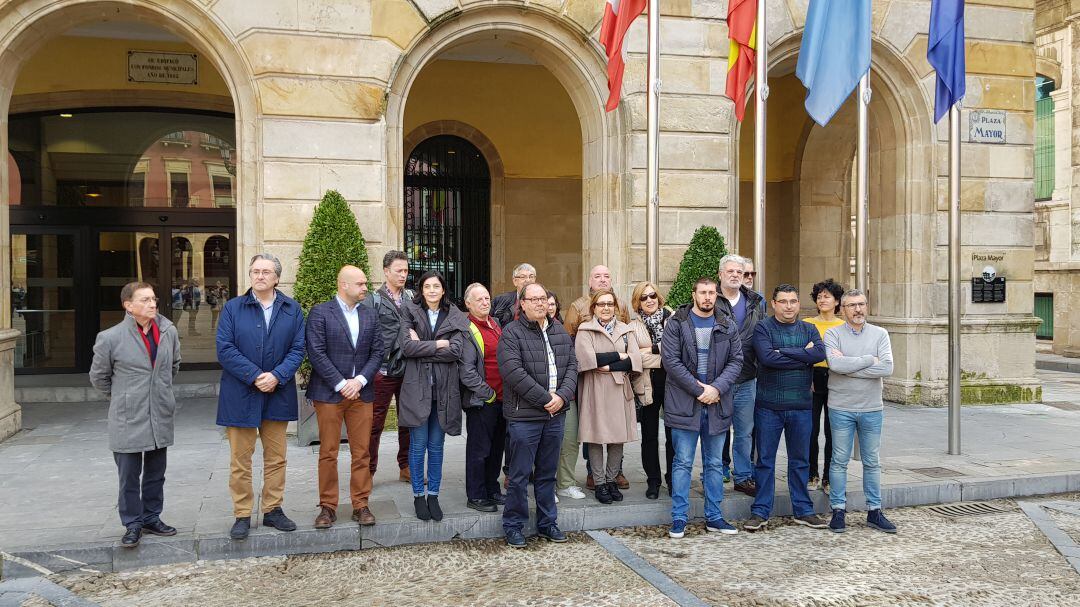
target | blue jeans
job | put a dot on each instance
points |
(712, 474)
(795, 426)
(844, 426)
(426, 439)
(743, 423)
(532, 448)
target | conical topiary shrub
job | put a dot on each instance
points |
(702, 258)
(333, 240)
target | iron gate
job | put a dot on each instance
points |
(448, 213)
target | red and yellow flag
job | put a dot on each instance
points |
(742, 30)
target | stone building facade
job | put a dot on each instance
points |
(1057, 207)
(369, 96)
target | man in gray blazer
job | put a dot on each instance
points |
(134, 365)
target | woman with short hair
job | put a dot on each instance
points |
(650, 316)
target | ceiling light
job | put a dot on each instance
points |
(65, 115)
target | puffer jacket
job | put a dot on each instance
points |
(524, 367)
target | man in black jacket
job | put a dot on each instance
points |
(387, 302)
(505, 306)
(745, 306)
(539, 373)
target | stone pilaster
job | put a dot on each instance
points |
(10, 411)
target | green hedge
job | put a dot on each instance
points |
(702, 258)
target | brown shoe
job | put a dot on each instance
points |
(590, 484)
(326, 518)
(747, 487)
(621, 481)
(364, 516)
(404, 476)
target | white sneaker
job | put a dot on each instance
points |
(572, 492)
(556, 499)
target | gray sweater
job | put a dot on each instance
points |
(854, 377)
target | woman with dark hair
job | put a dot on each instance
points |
(826, 296)
(554, 307)
(432, 335)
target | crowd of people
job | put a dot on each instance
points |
(530, 389)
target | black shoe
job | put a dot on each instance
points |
(158, 528)
(837, 524)
(276, 518)
(434, 508)
(240, 528)
(515, 539)
(653, 490)
(132, 537)
(613, 489)
(499, 499)
(420, 505)
(482, 505)
(603, 494)
(552, 534)
(876, 520)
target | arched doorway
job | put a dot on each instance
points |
(448, 212)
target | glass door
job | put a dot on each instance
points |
(200, 274)
(44, 289)
(124, 257)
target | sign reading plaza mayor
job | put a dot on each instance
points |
(986, 126)
(167, 68)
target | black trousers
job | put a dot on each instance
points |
(533, 448)
(485, 438)
(821, 406)
(650, 430)
(142, 486)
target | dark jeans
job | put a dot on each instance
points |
(821, 405)
(795, 426)
(485, 438)
(386, 388)
(141, 499)
(650, 431)
(533, 449)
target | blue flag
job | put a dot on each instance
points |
(945, 51)
(835, 54)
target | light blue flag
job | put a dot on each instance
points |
(835, 54)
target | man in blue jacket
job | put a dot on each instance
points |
(702, 353)
(787, 351)
(345, 347)
(260, 345)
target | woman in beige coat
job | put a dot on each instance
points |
(650, 316)
(607, 353)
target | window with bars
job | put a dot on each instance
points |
(1044, 138)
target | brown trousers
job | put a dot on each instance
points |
(241, 447)
(356, 415)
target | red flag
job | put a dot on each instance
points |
(618, 15)
(742, 29)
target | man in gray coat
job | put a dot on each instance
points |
(134, 365)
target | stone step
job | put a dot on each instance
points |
(76, 388)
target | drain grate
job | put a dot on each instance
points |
(964, 509)
(937, 472)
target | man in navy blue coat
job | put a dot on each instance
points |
(345, 347)
(260, 345)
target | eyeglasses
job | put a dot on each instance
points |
(146, 300)
(648, 296)
(535, 300)
(855, 304)
(750, 274)
(262, 272)
(605, 304)
(533, 276)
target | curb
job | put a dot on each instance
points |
(1067, 366)
(188, 548)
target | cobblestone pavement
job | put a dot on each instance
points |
(990, 560)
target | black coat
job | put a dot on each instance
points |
(504, 307)
(524, 367)
(389, 327)
(755, 311)
(422, 359)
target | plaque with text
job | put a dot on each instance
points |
(165, 68)
(987, 126)
(988, 291)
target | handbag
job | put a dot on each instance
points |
(629, 374)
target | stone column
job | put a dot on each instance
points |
(10, 411)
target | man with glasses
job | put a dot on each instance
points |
(539, 374)
(860, 356)
(786, 352)
(744, 306)
(505, 307)
(749, 276)
(260, 345)
(134, 365)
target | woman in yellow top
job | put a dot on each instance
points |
(826, 295)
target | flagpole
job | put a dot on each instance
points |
(652, 211)
(954, 279)
(862, 186)
(761, 83)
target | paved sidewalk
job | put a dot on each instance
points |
(58, 483)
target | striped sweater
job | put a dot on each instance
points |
(785, 364)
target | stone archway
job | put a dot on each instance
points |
(578, 66)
